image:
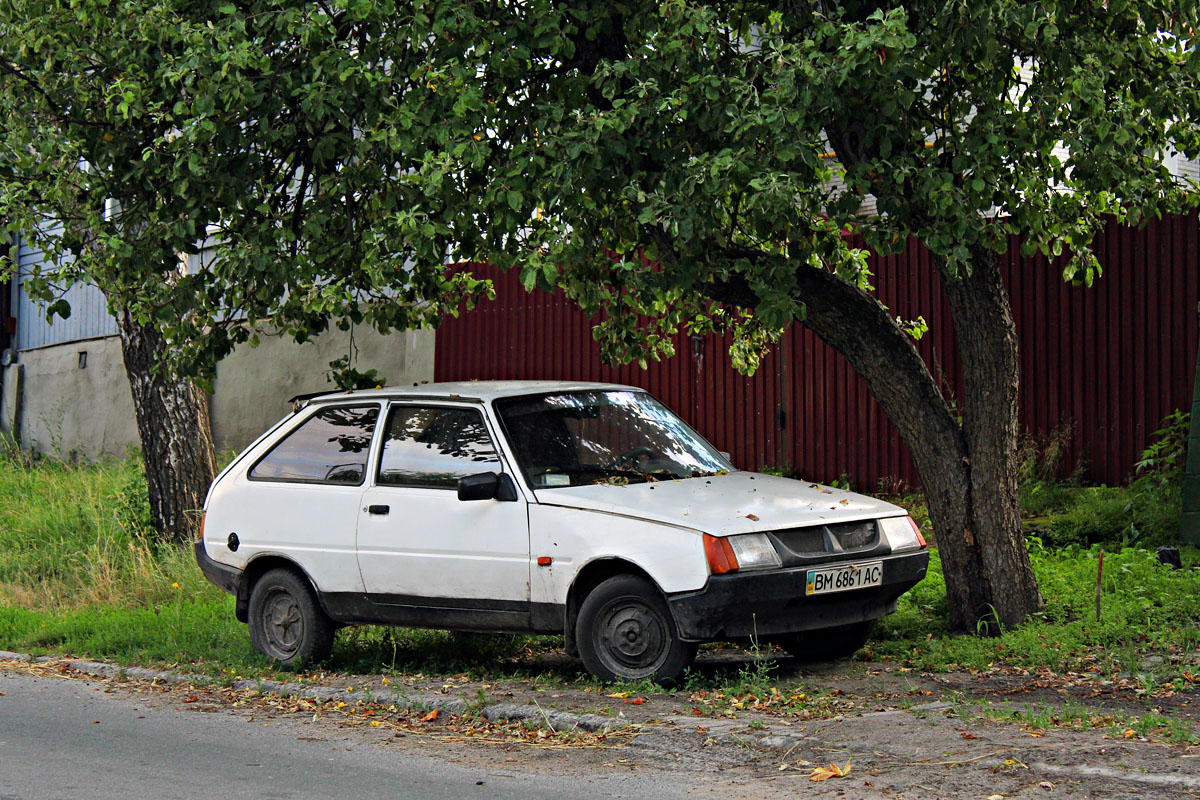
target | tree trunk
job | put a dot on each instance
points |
(967, 471)
(173, 424)
(987, 348)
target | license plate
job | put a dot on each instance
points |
(845, 577)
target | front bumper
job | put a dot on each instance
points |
(766, 603)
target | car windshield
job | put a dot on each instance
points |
(579, 438)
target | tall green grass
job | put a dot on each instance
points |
(78, 572)
(75, 536)
(1146, 610)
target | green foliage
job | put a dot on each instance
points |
(645, 157)
(292, 135)
(1042, 457)
(1091, 515)
(344, 376)
(130, 501)
(75, 579)
(1147, 610)
(1156, 502)
(1147, 512)
(73, 536)
(665, 120)
(1162, 462)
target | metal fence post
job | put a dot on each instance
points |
(1189, 521)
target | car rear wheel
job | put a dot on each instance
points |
(626, 632)
(286, 622)
(827, 644)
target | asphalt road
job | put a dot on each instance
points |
(64, 738)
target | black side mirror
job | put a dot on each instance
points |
(487, 486)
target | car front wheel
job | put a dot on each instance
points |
(626, 632)
(286, 622)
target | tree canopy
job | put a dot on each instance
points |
(645, 156)
(134, 131)
(654, 156)
(670, 165)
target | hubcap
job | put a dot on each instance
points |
(282, 622)
(633, 638)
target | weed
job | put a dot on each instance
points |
(634, 688)
(843, 481)
(1143, 606)
(1156, 493)
(892, 486)
(1162, 461)
(474, 708)
(1041, 456)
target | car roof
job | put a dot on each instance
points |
(476, 391)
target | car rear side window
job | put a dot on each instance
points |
(434, 447)
(331, 446)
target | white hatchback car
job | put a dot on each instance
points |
(582, 509)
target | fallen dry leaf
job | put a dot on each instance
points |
(191, 699)
(1046, 785)
(635, 701)
(619, 695)
(431, 716)
(752, 517)
(966, 735)
(1129, 733)
(832, 771)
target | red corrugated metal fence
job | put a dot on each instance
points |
(1111, 360)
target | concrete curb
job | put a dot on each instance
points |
(555, 720)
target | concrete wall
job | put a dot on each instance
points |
(254, 383)
(69, 397)
(75, 397)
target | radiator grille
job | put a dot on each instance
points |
(830, 538)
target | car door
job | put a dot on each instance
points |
(447, 561)
(301, 498)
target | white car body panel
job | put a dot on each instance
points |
(739, 502)
(673, 556)
(300, 521)
(431, 544)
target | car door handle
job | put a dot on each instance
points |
(378, 509)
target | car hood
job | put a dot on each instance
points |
(738, 502)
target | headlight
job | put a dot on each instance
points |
(902, 533)
(754, 551)
(743, 552)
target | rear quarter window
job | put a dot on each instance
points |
(329, 447)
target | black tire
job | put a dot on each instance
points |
(827, 644)
(626, 632)
(286, 621)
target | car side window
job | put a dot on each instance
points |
(331, 446)
(434, 447)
